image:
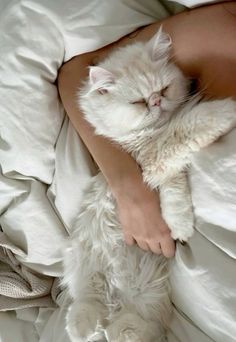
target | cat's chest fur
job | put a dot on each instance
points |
(161, 152)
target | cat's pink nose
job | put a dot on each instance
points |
(154, 100)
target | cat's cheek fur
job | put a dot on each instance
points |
(117, 120)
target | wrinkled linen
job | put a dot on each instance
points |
(203, 273)
(45, 168)
(20, 287)
(195, 3)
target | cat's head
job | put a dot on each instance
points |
(136, 86)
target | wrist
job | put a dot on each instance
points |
(130, 187)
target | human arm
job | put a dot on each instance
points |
(138, 207)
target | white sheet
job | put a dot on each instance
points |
(195, 3)
(41, 186)
(12, 329)
(203, 273)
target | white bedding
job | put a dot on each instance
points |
(45, 167)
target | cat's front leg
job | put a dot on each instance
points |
(189, 132)
(207, 121)
(176, 206)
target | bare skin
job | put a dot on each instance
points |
(204, 47)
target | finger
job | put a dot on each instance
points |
(168, 246)
(155, 247)
(129, 240)
(143, 245)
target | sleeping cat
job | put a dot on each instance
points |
(139, 99)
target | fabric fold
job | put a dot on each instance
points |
(21, 287)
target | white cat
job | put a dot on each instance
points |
(136, 97)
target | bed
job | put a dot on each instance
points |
(45, 168)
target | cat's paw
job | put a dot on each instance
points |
(130, 328)
(82, 320)
(98, 337)
(182, 232)
(126, 328)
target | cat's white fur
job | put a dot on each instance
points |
(136, 97)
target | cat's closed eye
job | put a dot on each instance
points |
(139, 101)
(164, 91)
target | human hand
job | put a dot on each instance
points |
(140, 216)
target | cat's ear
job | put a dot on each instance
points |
(159, 45)
(100, 78)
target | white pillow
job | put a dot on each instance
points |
(32, 49)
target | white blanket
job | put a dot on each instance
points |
(45, 167)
